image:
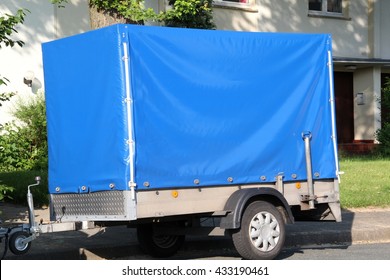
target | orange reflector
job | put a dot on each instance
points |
(298, 185)
(175, 194)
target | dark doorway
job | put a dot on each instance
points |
(343, 87)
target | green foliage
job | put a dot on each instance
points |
(383, 134)
(59, 3)
(5, 96)
(5, 192)
(383, 137)
(17, 181)
(23, 143)
(7, 27)
(133, 11)
(189, 14)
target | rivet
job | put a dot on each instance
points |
(317, 174)
(146, 184)
(196, 182)
(230, 179)
(112, 185)
(83, 188)
(263, 178)
(294, 176)
(58, 189)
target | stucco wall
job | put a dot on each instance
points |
(367, 115)
(385, 32)
(43, 22)
(350, 35)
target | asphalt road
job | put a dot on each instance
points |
(221, 249)
(379, 251)
(331, 241)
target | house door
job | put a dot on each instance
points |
(343, 87)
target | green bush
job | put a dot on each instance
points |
(383, 137)
(189, 14)
(132, 11)
(18, 182)
(383, 134)
(184, 13)
(23, 142)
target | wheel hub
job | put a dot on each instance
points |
(264, 231)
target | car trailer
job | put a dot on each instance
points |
(168, 130)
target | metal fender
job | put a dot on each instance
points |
(237, 202)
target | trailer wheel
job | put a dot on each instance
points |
(262, 233)
(158, 245)
(17, 244)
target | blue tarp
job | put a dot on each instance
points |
(206, 106)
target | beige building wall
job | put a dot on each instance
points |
(385, 31)
(367, 113)
(350, 37)
(43, 22)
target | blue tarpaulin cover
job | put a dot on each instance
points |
(208, 108)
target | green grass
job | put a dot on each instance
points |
(366, 182)
(19, 180)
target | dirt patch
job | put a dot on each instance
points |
(11, 214)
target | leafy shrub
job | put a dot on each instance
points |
(184, 13)
(189, 14)
(18, 182)
(5, 192)
(132, 11)
(23, 143)
(383, 134)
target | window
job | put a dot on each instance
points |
(237, 1)
(326, 6)
(329, 8)
(248, 5)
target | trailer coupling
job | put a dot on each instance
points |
(18, 238)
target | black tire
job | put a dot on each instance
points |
(156, 245)
(16, 243)
(262, 233)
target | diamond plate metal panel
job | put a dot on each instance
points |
(92, 206)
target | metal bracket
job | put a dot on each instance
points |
(279, 183)
(306, 197)
(306, 136)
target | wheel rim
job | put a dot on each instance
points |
(20, 245)
(264, 231)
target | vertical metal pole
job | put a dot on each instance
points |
(333, 113)
(30, 203)
(307, 137)
(129, 120)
